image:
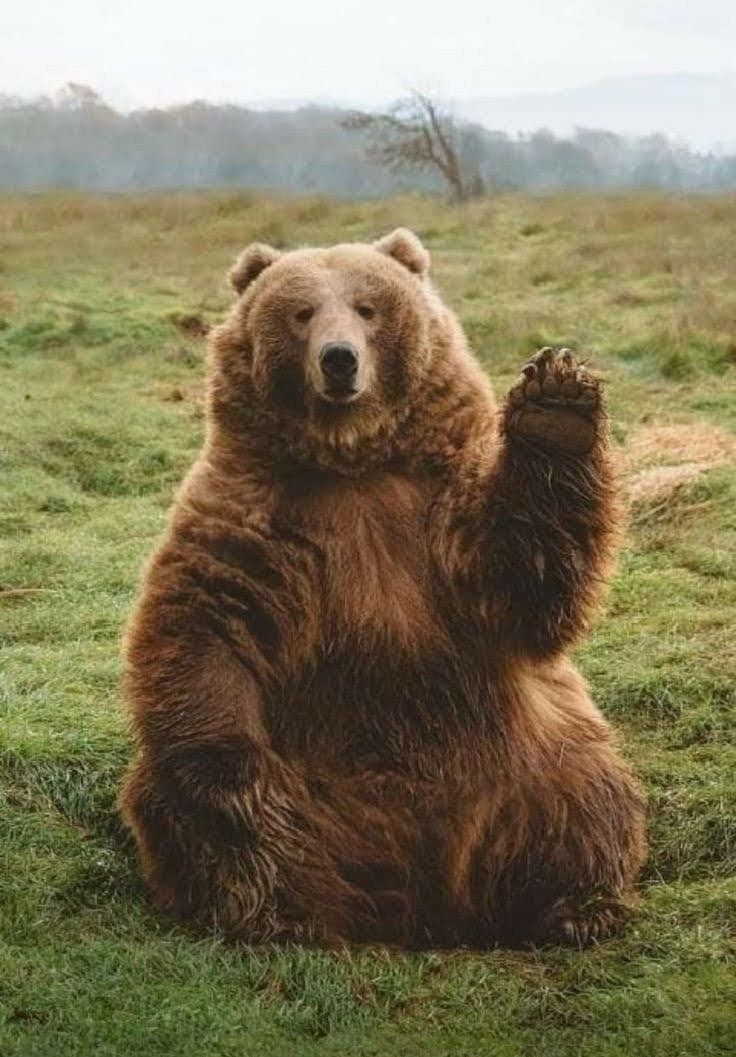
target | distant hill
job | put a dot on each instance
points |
(699, 109)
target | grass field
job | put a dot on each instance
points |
(102, 305)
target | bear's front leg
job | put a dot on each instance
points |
(551, 510)
(230, 833)
(230, 837)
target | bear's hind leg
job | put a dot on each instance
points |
(563, 852)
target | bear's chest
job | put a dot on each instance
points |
(377, 584)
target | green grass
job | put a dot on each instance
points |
(100, 414)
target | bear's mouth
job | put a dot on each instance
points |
(340, 394)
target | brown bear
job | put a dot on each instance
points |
(354, 714)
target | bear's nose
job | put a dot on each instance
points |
(339, 361)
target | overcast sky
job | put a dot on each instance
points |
(165, 51)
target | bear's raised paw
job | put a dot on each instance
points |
(556, 402)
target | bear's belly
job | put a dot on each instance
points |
(390, 683)
(358, 709)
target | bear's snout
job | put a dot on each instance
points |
(338, 362)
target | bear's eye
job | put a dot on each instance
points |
(304, 314)
(366, 311)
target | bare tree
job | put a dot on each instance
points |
(416, 133)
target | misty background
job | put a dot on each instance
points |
(579, 94)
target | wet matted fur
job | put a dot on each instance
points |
(354, 714)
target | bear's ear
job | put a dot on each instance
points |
(250, 264)
(404, 246)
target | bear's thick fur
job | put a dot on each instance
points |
(354, 714)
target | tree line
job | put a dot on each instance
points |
(76, 140)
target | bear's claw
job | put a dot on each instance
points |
(572, 924)
(553, 376)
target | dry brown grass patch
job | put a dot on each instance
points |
(657, 460)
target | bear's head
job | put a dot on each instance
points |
(337, 339)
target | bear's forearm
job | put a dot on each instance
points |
(551, 525)
(228, 832)
(220, 616)
(527, 543)
(229, 835)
